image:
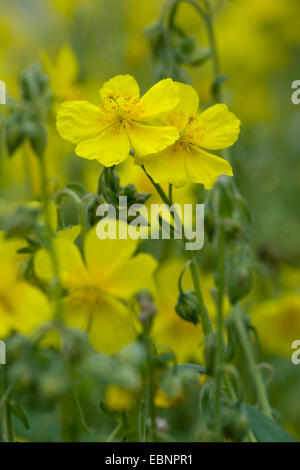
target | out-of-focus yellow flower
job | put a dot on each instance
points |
(22, 307)
(289, 277)
(278, 323)
(184, 338)
(63, 73)
(122, 121)
(97, 291)
(186, 160)
(118, 398)
(162, 400)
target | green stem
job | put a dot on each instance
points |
(114, 432)
(8, 412)
(220, 327)
(9, 423)
(207, 328)
(158, 189)
(45, 200)
(253, 369)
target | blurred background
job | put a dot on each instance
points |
(80, 44)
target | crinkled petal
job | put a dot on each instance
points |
(221, 127)
(79, 120)
(203, 167)
(160, 100)
(146, 139)
(120, 85)
(109, 148)
(167, 166)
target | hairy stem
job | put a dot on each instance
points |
(253, 369)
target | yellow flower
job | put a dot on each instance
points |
(186, 160)
(119, 398)
(22, 307)
(97, 291)
(121, 122)
(63, 73)
(278, 323)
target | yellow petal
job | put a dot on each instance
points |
(79, 120)
(70, 233)
(147, 139)
(160, 100)
(203, 167)
(109, 324)
(66, 65)
(71, 268)
(112, 327)
(100, 255)
(120, 85)
(221, 127)
(167, 166)
(109, 148)
(28, 308)
(189, 99)
(131, 277)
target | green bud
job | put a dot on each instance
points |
(187, 44)
(225, 204)
(38, 139)
(14, 132)
(33, 83)
(187, 307)
(155, 35)
(235, 424)
(133, 197)
(239, 272)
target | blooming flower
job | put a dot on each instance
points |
(22, 307)
(186, 160)
(122, 121)
(97, 291)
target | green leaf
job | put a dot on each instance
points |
(264, 429)
(6, 396)
(19, 413)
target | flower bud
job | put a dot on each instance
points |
(14, 132)
(235, 424)
(38, 139)
(239, 272)
(187, 307)
(33, 83)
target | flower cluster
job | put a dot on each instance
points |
(162, 129)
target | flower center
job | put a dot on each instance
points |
(89, 295)
(121, 109)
